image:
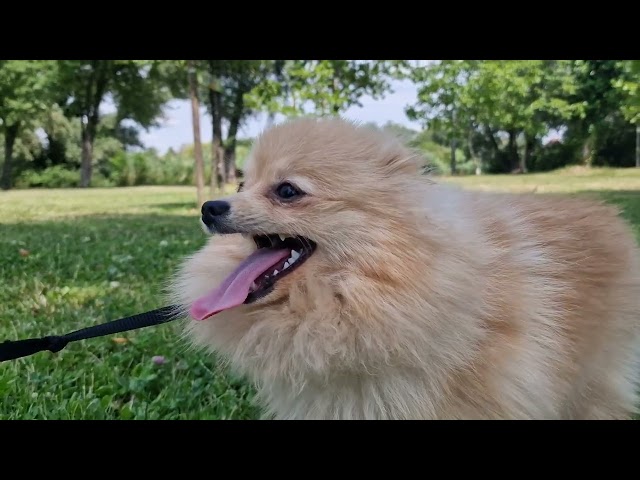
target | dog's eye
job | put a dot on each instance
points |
(286, 191)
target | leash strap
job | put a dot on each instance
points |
(10, 350)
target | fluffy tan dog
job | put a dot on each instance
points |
(347, 285)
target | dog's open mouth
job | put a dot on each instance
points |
(299, 249)
(276, 257)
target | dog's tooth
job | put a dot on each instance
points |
(282, 237)
(294, 255)
(286, 265)
(275, 272)
(254, 286)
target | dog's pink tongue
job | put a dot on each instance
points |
(234, 290)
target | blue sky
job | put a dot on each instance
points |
(176, 129)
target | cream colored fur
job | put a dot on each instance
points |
(422, 301)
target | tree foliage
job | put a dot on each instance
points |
(502, 102)
(629, 84)
(25, 95)
(496, 116)
(325, 87)
(137, 88)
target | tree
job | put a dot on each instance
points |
(195, 113)
(136, 87)
(405, 134)
(236, 91)
(325, 87)
(629, 83)
(184, 79)
(440, 106)
(596, 91)
(25, 95)
(318, 87)
(523, 99)
(224, 86)
(519, 100)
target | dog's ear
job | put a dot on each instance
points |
(402, 161)
(396, 157)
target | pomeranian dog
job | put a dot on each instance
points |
(346, 284)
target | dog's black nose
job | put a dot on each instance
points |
(215, 208)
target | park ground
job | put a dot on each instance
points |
(73, 258)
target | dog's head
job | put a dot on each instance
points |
(317, 195)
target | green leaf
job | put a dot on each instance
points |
(126, 413)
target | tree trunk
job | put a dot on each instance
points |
(221, 179)
(529, 144)
(215, 109)
(638, 145)
(231, 171)
(86, 164)
(492, 139)
(56, 151)
(10, 135)
(217, 154)
(230, 147)
(587, 150)
(335, 105)
(270, 120)
(453, 157)
(514, 158)
(496, 156)
(195, 122)
(472, 153)
(96, 88)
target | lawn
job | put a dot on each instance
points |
(73, 258)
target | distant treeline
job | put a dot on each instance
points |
(477, 116)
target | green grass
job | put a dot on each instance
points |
(567, 180)
(94, 256)
(101, 254)
(619, 186)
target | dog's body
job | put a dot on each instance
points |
(421, 301)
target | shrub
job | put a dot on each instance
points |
(53, 177)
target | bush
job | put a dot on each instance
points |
(438, 157)
(145, 168)
(126, 169)
(57, 176)
(52, 177)
(553, 156)
(100, 181)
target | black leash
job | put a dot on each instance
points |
(10, 350)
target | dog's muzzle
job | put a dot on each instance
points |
(215, 216)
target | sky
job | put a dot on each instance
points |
(176, 129)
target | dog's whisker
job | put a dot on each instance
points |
(306, 242)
